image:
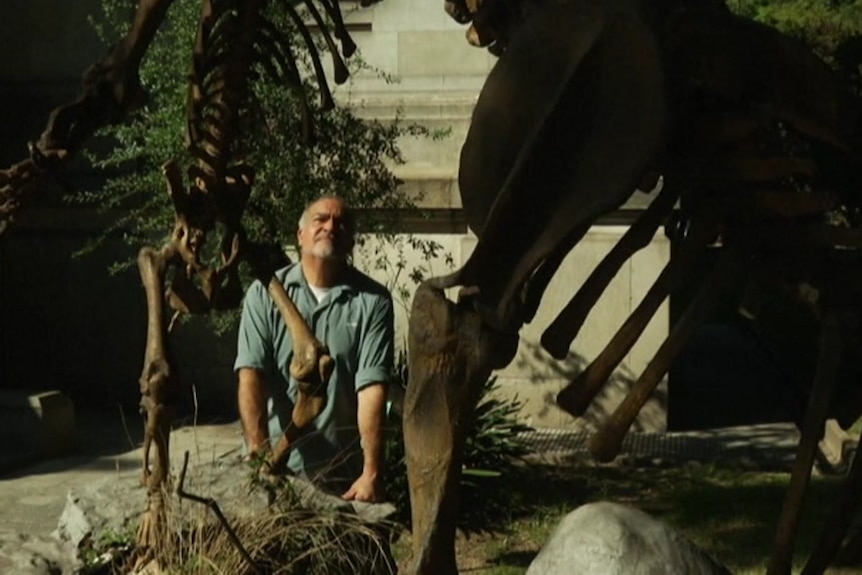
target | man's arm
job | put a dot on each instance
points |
(371, 409)
(254, 352)
(252, 394)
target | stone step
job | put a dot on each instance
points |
(33, 426)
(449, 107)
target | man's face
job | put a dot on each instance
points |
(327, 232)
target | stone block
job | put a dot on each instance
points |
(114, 504)
(32, 554)
(413, 16)
(440, 53)
(390, 16)
(432, 16)
(429, 188)
(35, 425)
(377, 49)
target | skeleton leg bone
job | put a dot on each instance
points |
(157, 393)
(837, 323)
(309, 355)
(451, 355)
(839, 523)
(311, 366)
(605, 445)
(576, 397)
(309, 403)
(559, 335)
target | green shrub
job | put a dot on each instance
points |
(349, 156)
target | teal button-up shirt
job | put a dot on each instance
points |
(355, 321)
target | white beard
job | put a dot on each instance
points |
(322, 249)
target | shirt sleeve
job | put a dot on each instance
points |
(254, 341)
(376, 350)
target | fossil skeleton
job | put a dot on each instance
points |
(588, 101)
(752, 135)
(233, 37)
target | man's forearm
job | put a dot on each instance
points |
(251, 401)
(370, 417)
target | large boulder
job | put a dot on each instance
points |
(24, 554)
(610, 539)
(112, 506)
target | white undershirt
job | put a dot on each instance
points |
(319, 292)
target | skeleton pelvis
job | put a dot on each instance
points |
(449, 342)
(566, 124)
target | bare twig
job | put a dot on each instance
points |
(211, 503)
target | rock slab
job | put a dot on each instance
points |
(113, 506)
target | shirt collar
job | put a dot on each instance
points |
(295, 277)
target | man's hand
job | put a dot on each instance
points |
(258, 458)
(365, 488)
(258, 450)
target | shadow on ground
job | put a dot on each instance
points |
(102, 438)
(730, 513)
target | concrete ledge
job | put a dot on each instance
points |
(34, 426)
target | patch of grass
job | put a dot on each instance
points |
(291, 542)
(729, 513)
(733, 515)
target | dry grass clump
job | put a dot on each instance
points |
(289, 542)
(287, 539)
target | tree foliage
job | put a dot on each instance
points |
(349, 157)
(831, 27)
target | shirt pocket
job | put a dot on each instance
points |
(344, 332)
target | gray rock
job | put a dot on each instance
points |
(111, 504)
(610, 539)
(114, 504)
(22, 554)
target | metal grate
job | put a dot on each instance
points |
(695, 446)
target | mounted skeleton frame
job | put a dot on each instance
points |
(233, 38)
(756, 142)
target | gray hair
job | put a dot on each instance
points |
(327, 196)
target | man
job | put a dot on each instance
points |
(352, 316)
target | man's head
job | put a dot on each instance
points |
(326, 230)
